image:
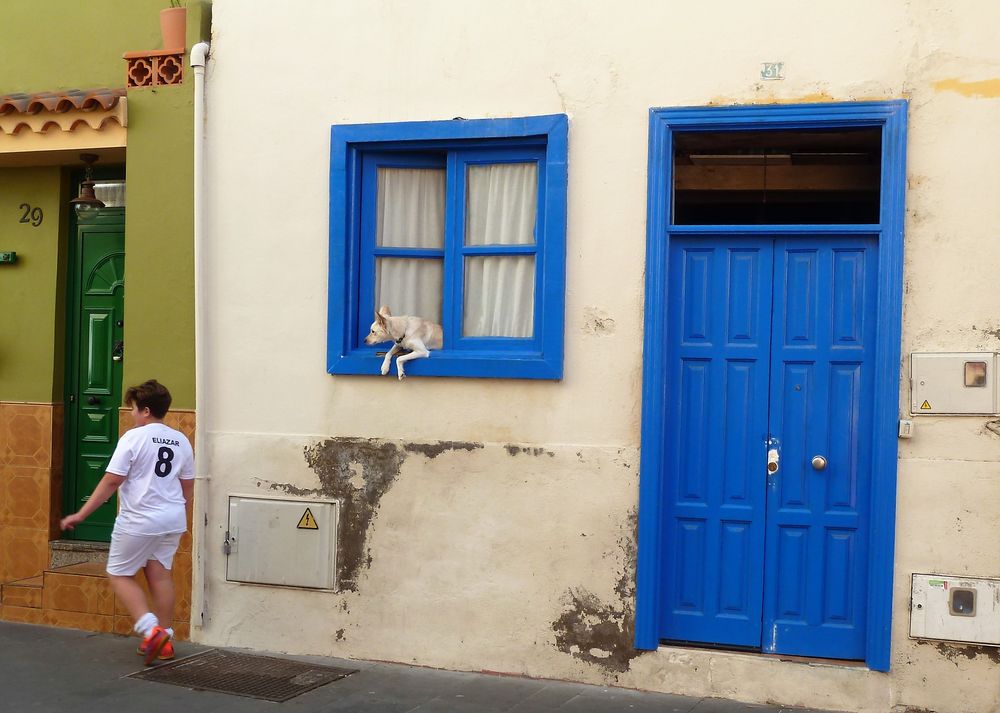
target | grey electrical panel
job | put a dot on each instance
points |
(962, 383)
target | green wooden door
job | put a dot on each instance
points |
(96, 290)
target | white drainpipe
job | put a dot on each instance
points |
(199, 549)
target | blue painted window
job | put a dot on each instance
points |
(464, 223)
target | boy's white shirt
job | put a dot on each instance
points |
(151, 504)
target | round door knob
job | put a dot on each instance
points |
(93, 401)
(819, 462)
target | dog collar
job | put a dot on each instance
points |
(400, 340)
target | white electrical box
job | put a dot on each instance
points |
(953, 383)
(961, 609)
(283, 542)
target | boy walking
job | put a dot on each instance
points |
(152, 469)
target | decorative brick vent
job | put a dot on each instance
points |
(154, 68)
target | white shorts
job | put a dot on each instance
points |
(130, 553)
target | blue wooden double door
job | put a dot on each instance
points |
(770, 354)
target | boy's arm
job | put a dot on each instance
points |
(104, 490)
(187, 487)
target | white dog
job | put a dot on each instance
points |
(413, 333)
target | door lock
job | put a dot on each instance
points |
(118, 351)
(772, 461)
(819, 463)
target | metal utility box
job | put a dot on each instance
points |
(283, 542)
(961, 609)
(953, 383)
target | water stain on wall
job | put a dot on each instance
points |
(988, 331)
(433, 450)
(514, 449)
(598, 632)
(359, 472)
(336, 461)
(972, 651)
(983, 89)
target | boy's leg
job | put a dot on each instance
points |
(125, 558)
(160, 579)
(161, 590)
(130, 593)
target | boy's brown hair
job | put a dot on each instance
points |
(151, 394)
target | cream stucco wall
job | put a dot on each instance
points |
(480, 555)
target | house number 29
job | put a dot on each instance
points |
(31, 215)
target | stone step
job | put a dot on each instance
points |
(78, 595)
(68, 552)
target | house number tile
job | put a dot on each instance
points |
(772, 70)
(30, 215)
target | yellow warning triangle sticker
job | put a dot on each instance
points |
(307, 521)
(924, 406)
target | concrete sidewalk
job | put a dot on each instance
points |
(47, 669)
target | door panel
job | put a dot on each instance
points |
(94, 381)
(821, 405)
(717, 355)
(770, 344)
(97, 342)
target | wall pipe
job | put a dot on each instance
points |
(199, 58)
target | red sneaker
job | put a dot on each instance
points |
(154, 643)
(166, 653)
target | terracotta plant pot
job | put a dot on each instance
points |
(173, 27)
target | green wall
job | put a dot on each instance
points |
(58, 44)
(31, 297)
(69, 44)
(159, 246)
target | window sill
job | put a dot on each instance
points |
(489, 365)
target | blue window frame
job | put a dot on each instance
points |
(358, 152)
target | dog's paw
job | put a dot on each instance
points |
(402, 374)
(385, 369)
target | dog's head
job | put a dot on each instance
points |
(380, 327)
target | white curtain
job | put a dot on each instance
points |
(410, 208)
(111, 193)
(410, 214)
(500, 290)
(410, 286)
(501, 204)
(499, 296)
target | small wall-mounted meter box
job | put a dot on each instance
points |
(953, 383)
(964, 609)
(8, 257)
(289, 543)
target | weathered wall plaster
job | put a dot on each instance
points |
(515, 556)
(457, 535)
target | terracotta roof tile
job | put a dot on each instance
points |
(63, 101)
